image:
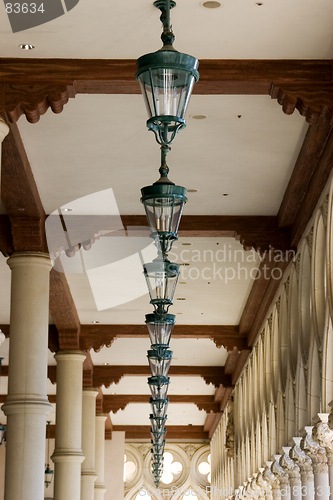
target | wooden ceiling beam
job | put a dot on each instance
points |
(116, 402)
(97, 336)
(88, 74)
(107, 375)
(178, 432)
(143, 432)
(306, 164)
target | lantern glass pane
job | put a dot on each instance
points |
(159, 366)
(166, 91)
(160, 213)
(158, 448)
(177, 213)
(159, 407)
(158, 438)
(157, 424)
(159, 391)
(160, 333)
(161, 277)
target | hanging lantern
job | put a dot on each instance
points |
(159, 407)
(158, 437)
(159, 386)
(166, 78)
(160, 328)
(161, 277)
(157, 449)
(159, 361)
(157, 423)
(164, 203)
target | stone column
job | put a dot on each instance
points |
(99, 456)
(305, 464)
(68, 455)
(282, 477)
(88, 474)
(273, 490)
(323, 433)
(264, 489)
(293, 471)
(27, 405)
(319, 464)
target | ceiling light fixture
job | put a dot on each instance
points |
(26, 46)
(211, 5)
(198, 117)
(166, 78)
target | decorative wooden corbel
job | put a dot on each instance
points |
(310, 101)
(33, 100)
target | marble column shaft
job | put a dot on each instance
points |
(100, 456)
(88, 474)
(27, 404)
(68, 455)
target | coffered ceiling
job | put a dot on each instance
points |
(255, 175)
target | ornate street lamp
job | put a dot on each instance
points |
(161, 277)
(164, 203)
(166, 78)
(158, 386)
(157, 423)
(159, 361)
(160, 328)
(159, 407)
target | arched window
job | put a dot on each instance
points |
(204, 468)
(129, 470)
(171, 469)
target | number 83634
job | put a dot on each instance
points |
(24, 8)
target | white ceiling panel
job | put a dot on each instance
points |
(277, 29)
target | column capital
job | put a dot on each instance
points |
(268, 474)
(314, 451)
(101, 416)
(301, 458)
(90, 391)
(291, 468)
(70, 355)
(22, 258)
(278, 470)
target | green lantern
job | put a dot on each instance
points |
(159, 361)
(161, 277)
(164, 203)
(166, 78)
(157, 423)
(159, 407)
(158, 386)
(160, 328)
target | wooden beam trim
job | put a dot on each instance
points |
(65, 71)
(173, 432)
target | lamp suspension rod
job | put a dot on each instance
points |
(167, 16)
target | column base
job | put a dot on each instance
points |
(99, 492)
